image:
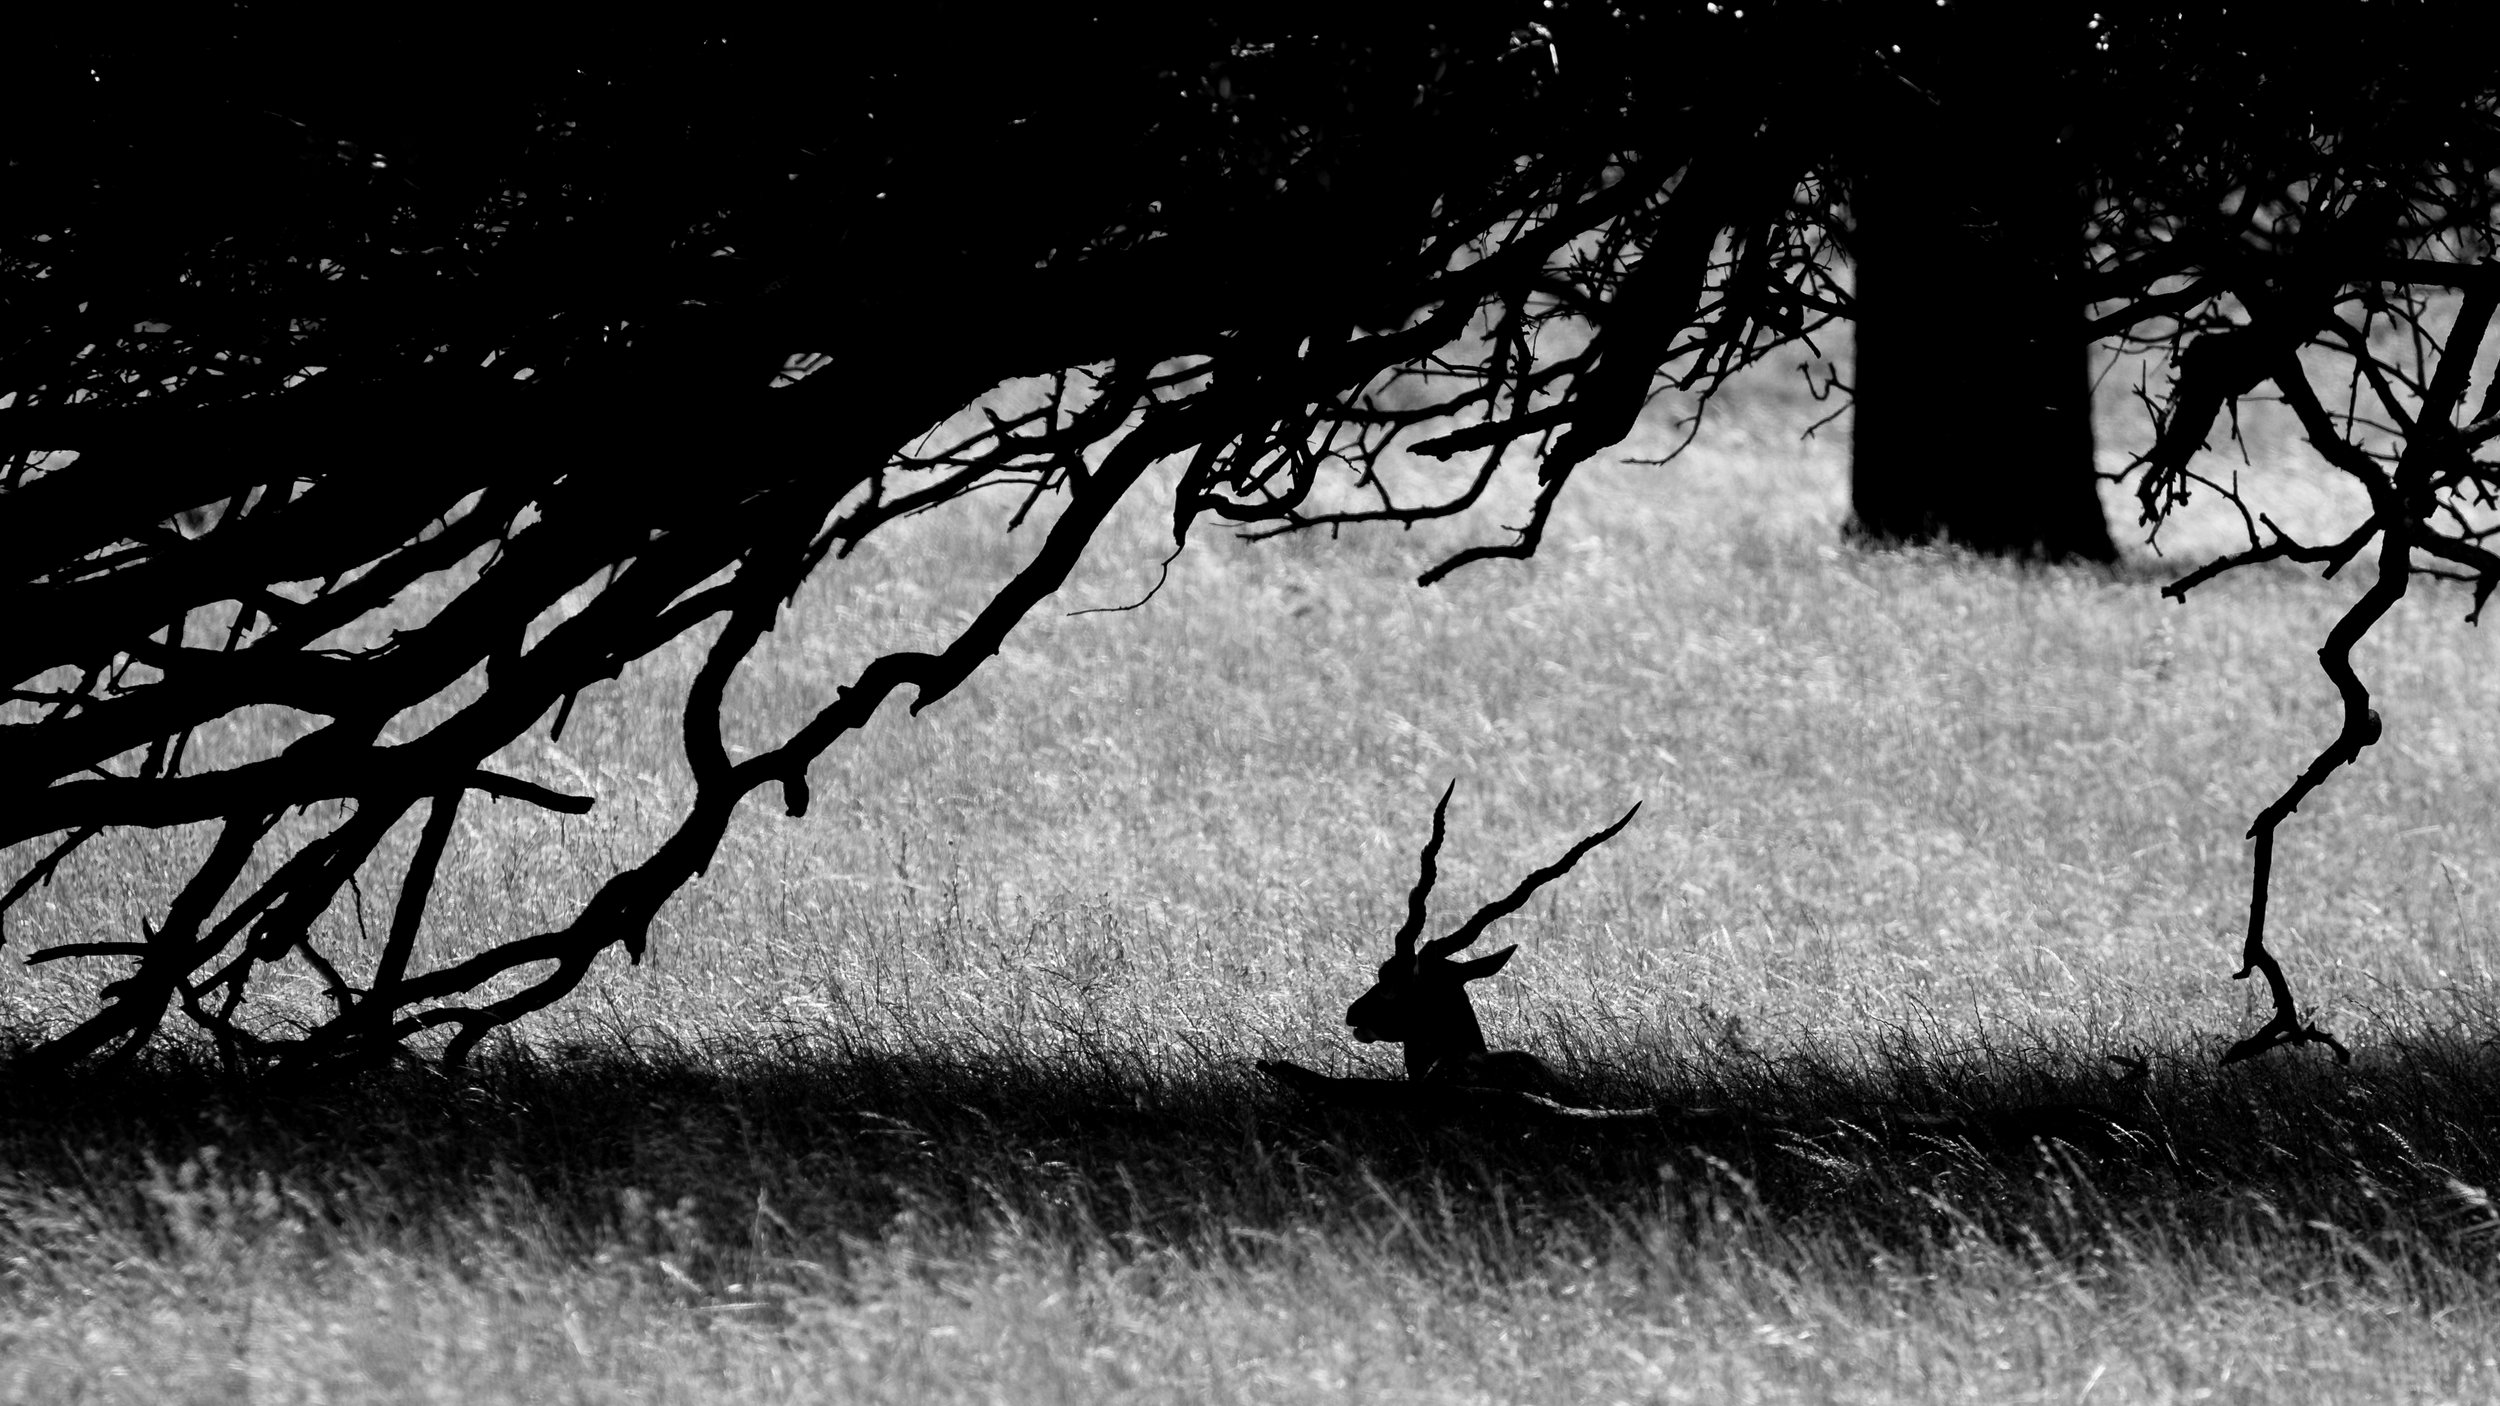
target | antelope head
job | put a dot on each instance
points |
(1420, 1000)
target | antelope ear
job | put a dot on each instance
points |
(1485, 965)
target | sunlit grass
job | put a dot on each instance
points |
(943, 1092)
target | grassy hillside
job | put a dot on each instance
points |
(945, 1092)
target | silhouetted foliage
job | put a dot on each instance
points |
(611, 335)
(307, 314)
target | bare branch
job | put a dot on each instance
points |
(41, 871)
(516, 789)
(87, 949)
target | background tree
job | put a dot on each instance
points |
(1965, 173)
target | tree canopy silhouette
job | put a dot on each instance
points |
(305, 311)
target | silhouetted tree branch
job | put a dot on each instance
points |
(657, 328)
(2391, 243)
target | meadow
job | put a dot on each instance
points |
(946, 1092)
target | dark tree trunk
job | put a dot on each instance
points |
(1973, 381)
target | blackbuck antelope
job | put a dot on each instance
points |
(1420, 1000)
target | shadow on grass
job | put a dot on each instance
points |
(813, 1152)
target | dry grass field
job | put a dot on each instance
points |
(945, 1093)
